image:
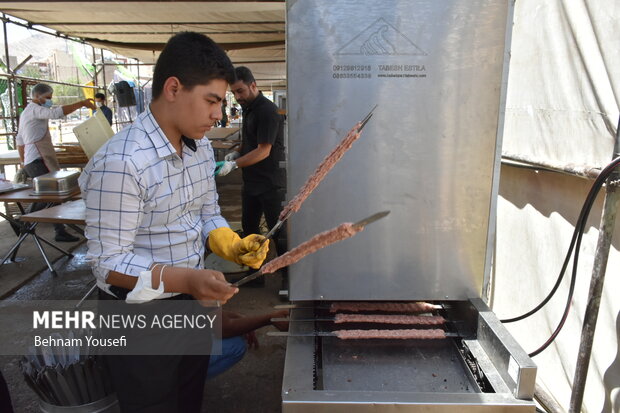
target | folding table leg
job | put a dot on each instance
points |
(16, 246)
(47, 261)
(26, 229)
(67, 253)
(76, 229)
(21, 233)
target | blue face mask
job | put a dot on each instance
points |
(48, 103)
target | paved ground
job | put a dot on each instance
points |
(253, 385)
(29, 261)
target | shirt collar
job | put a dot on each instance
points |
(190, 143)
(162, 145)
(255, 102)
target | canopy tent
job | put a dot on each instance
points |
(252, 33)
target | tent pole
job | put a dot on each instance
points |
(606, 229)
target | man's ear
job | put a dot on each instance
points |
(172, 87)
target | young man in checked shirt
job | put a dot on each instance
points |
(151, 205)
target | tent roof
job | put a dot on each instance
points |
(253, 33)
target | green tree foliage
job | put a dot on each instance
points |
(64, 95)
(30, 71)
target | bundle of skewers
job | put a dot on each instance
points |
(61, 376)
(391, 320)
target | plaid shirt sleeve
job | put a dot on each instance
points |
(114, 210)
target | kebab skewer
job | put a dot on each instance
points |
(321, 240)
(376, 319)
(415, 307)
(321, 171)
(402, 334)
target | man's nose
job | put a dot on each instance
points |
(217, 113)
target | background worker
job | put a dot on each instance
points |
(262, 149)
(100, 103)
(224, 121)
(159, 213)
(34, 141)
(234, 111)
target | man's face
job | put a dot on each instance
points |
(99, 102)
(42, 98)
(244, 94)
(200, 108)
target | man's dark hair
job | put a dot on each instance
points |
(194, 59)
(244, 74)
(99, 96)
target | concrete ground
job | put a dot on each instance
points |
(253, 385)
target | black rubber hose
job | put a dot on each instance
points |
(587, 207)
(580, 223)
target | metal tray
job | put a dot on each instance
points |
(55, 183)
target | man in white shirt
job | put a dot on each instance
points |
(34, 142)
(151, 205)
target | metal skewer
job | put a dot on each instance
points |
(367, 118)
(327, 307)
(332, 319)
(359, 224)
(280, 222)
(332, 334)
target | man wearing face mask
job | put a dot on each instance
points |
(34, 142)
(100, 102)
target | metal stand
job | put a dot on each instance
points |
(608, 219)
(29, 230)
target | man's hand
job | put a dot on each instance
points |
(226, 168)
(89, 103)
(251, 250)
(252, 340)
(280, 325)
(232, 156)
(205, 285)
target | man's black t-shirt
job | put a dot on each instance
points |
(263, 124)
(107, 112)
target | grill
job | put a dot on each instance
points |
(481, 369)
(430, 155)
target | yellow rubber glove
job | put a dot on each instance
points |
(250, 251)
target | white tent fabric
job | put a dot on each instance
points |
(564, 83)
(562, 108)
(251, 32)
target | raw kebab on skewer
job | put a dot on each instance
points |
(320, 172)
(321, 240)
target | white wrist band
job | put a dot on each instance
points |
(161, 275)
(143, 291)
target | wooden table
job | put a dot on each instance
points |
(29, 228)
(221, 148)
(27, 195)
(217, 134)
(70, 213)
(8, 158)
(67, 158)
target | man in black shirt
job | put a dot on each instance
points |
(262, 149)
(100, 102)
